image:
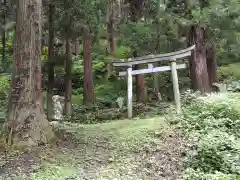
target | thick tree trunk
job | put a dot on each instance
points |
(111, 36)
(156, 86)
(72, 46)
(77, 47)
(63, 47)
(155, 83)
(198, 62)
(68, 78)
(212, 63)
(158, 19)
(158, 49)
(113, 19)
(50, 63)
(141, 93)
(97, 37)
(27, 124)
(110, 29)
(88, 91)
(4, 64)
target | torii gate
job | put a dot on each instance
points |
(172, 57)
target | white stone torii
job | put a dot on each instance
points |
(149, 59)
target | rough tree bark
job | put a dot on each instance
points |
(77, 46)
(68, 78)
(88, 88)
(110, 29)
(212, 63)
(198, 62)
(113, 18)
(158, 49)
(27, 124)
(50, 62)
(141, 93)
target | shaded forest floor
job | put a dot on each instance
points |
(137, 149)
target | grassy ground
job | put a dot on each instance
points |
(146, 149)
(127, 149)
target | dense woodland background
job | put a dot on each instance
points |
(66, 48)
(86, 36)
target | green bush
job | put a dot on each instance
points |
(191, 174)
(234, 86)
(102, 113)
(4, 92)
(213, 125)
(4, 88)
(229, 73)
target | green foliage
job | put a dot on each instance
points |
(44, 55)
(191, 174)
(9, 48)
(83, 114)
(4, 92)
(105, 111)
(4, 89)
(213, 125)
(230, 72)
(101, 151)
(234, 86)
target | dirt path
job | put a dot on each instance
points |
(152, 161)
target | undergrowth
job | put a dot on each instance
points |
(100, 114)
(118, 149)
(212, 123)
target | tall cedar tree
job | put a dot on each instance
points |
(50, 61)
(212, 62)
(110, 29)
(76, 46)
(88, 88)
(211, 57)
(68, 77)
(135, 9)
(198, 61)
(113, 17)
(158, 49)
(110, 36)
(27, 124)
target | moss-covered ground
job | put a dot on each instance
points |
(126, 149)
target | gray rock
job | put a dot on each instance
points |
(58, 105)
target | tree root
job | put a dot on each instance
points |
(29, 128)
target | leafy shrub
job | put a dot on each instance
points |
(4, 92)
(101, 113)
(83, 114)
(4, 89)
(230, 72)
(234, 86)
(191, 174)
(213, 124)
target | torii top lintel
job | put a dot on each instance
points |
(155, 58)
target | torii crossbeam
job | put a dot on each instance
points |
(149, 59)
